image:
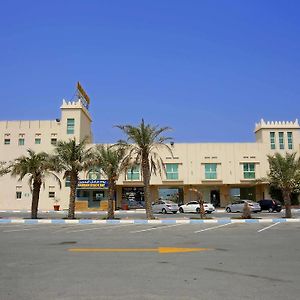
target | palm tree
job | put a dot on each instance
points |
(4, 169)
(285, 175)
(142, 142)
(112, 162)
(72, 158)
(37, 166)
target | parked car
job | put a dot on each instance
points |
(238, 206)
(270, 205)
(194, 206)
(165, 206)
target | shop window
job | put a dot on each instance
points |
(272, 140)
(70, 126)
(210, 171)
(21, 142)
(6, 141)
(172, 171)
(290, 140)
(133, 173)
(18, 195)
(249, 170)
(281, 140)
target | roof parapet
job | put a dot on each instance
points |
(276, 125)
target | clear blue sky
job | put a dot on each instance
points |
(208, 69)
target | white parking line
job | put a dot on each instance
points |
(24, 229)
(102, 227)
(154, 228)
(268, 227)
(211, 228)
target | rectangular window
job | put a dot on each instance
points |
(37, 141)
(21, 142)
(272, 140)
(290, 140)
(6, 141)
(53, 141)
(133, 173)
(210, 171)
(68, 181)
(249, 170)
(70, 126)
(51, 194)
(172, 171)
(18, 195)
(281, 140)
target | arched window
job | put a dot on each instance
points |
(94, 174)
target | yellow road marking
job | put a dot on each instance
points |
(161, 250)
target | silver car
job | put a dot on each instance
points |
(165, 206)
(238, 206)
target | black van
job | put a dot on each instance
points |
(270, 205)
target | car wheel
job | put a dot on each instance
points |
(181, 210)
(164, 211)
(228, 209)
(209, 212)
(270, 210)
(198, 210)
(278, 210)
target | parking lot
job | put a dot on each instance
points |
(136, 261)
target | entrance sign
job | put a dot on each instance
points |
(92, 184)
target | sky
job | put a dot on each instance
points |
(208, 69)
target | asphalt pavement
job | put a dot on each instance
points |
(137, 261)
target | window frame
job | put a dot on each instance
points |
(290, 140)
(70, 125)
(209, 173)
(172, 173)
(133, 173)
(247, 172)
(272, 140)
(281, 140)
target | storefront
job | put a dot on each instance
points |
(92, 194)
(133, 197)
(174, 194)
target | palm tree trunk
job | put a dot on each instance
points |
(287, 204)
(146, 180)
(35, 199)
(73, 186)
(111, 194)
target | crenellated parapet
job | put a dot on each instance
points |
(276, 125)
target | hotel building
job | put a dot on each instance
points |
(222, 171)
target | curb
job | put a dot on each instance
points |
(141, 221)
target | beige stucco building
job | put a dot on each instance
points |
(220, 170)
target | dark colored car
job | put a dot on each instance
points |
(270, 205)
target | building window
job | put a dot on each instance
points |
(172, 171)
(21, 142)
(290, 140)
(53, 141)
(18, 195)
(272, 140)
(249, 170)
(94, 174)
(70, 126)
(133, 173)
(37, 141)
(6, 141)
(51, 194)
(210, 171)
(68, 181)
(281, 140)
